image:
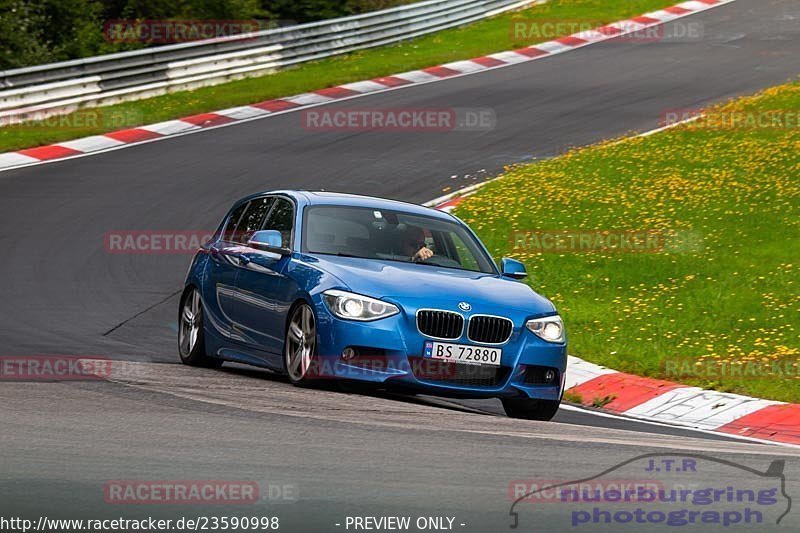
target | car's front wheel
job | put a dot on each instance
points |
(531, 409)
(300, 348)
(191, 335)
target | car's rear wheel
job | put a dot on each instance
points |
(191, 335)
(531, 409)
(300, 348)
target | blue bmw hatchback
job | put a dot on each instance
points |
(322, 285)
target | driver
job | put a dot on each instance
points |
(414, 244)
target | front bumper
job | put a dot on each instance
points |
(390, 351)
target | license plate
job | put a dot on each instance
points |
(463, 353)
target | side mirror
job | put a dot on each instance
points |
(512, 268)
(268, 240)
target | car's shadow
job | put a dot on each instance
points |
(482, 407)
(486, 407)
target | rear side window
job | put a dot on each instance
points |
(249, 221)
(281, 218)
(253, 218)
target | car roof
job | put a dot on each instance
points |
(357, 200)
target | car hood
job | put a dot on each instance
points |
(427, 285)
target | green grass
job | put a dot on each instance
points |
(492, 35)
(727, 298)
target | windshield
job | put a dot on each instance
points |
(392, 236)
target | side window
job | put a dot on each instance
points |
(463, 255)
(281, 218)
(233, 221)
(252, 219)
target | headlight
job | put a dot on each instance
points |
(357, 307)
(549, 328)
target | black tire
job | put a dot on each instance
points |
(529, 409)
(191, 332)
(300, 361)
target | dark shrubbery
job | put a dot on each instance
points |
(43, 31)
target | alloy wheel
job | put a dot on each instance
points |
(189, 328)
(301, 340)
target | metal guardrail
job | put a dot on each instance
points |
(44, 90)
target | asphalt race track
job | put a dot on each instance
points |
(345, 454)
